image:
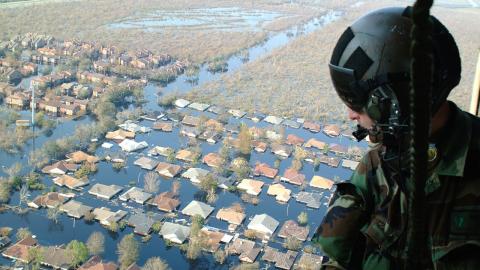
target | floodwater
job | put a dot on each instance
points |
(68, 229)
(228, 19)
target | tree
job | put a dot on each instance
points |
(78, 252)
(127, 251)
(155, 263)
(250, 234)
(53, 213)
(292, 243)
(296, 165)
(197, 224)
(208, 182)
(220, 256)
(176, 188)
(303, 218)
(35, 256)
(96, 243)
(241, 168)
(245, 140)
(151, 182)
(247, 266)
(13, 170)
(4, 190)
(22, 233)
(113, 227)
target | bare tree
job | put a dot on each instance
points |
(96, 243)
(53, 213)
(155, 263)
(23, 195)
(176, 188)
(151, 182)
(13, 170)
(127, 251)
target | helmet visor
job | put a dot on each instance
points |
(346, 85)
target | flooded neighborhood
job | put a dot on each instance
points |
(112, 159)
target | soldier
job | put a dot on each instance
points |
(365, 224)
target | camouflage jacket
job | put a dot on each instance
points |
(365, 224)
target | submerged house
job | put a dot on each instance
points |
(70, 182)
(250, 186)
(106, 217)
(175, 233)
(195, 174)
(105, 191)
(143, 223)
(186, 155)
(311, 199)
(96, 263)
(281, 260)
(350, 164)
(292, 176)
(265, 170)
(213, 160)
(60, 167)
(332, 130)
(56, 257)
(294, 140)
(166, 201)
(135, 194)
(163, 126)
(80, 156)
(281, 193)
(231, 216)
(316, 143)
(246, 249)
(128, 145)
(75, 209)
(199, 106)
(168, 170)
(20, 250)
(120, 134)
(291, 228)
(146, 163)
(263, 224)
(197, 208)
(49, 200)
(321, 182)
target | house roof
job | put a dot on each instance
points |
(310, 261)
(213, 239)
(163, 126)
(185, 155)
(213, 160)
(315, 143)
(237, 113)
(259, 146)
(56, 257)
(291, 228)
(199, 106)
(281, 150)
(191, 120)
(265, 170)
(195, 174)
(338, 148)
(51, 200)
(175, 232)
(143, 222)
(69, 181)
(330, 161)
(263, 223)
(166, 201)
(252, 187)
(160, 150)
(105, 191)
(293, 176)
(231, 216)
(351, 164)
(291, 123)
(321, 182)
(146, 163)
(135, 194)
(312, 199)
(331, 130)
(167, 169)
(19, 251)
(80, 156)
(197, 208)
(119, 134)
(131, 145)
(216, 109)
(96, 263)
(75, 209)
(275, 120)
(294, 140)
(106, 216)
(181, 103)
(281, 260)
(245, 248)
(59, 167)
(312, 126)
(280, 192)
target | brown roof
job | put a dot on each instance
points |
(167, 169)
(51, 199)
(96, 263)
(338, 149)
(119, 134)
(213, 239)
(212, 123)
(315, 143)
(80, 156)
(293, 176)
(19, 251)
(291, 228)
(185, 155)
(166, 201)
(332, 130)
(213, 160)
(69, 181)
(259, 146)
(294, 140)
(314, 127)
(231, 216)
(252, 187)
(280, 192)
(191, 120)
(163, 126)
(264, 169)
(61, 165)
(321, 182)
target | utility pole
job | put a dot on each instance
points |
(476, 89)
